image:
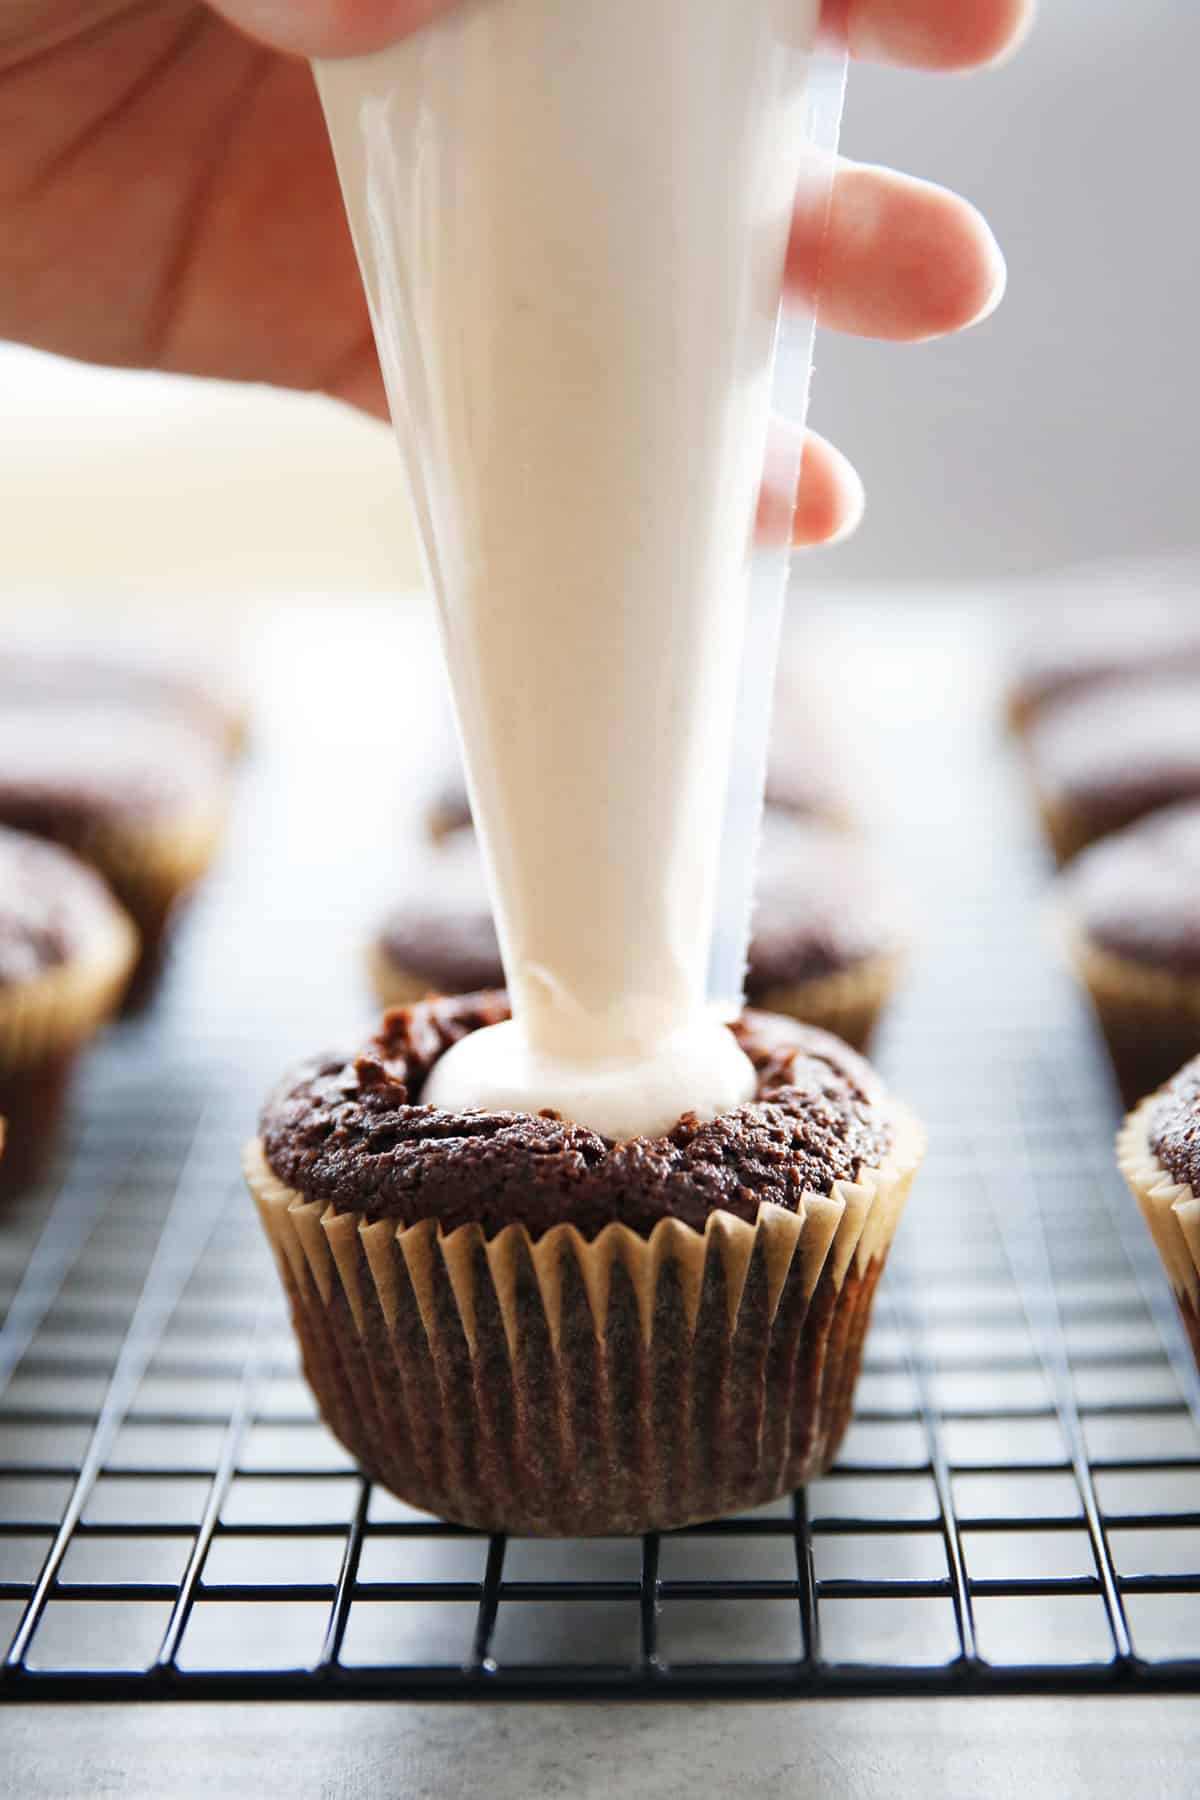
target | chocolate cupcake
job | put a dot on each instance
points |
(1102, 760)
(829, 944)
(519, 1325)
(66, 953)
(830, 930)
(1128, 913)
(183, 678)
(1088, 647)
(1159, 1154)
(140, 796)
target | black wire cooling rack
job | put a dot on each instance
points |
(1017, 1505)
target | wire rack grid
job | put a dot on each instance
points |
(1016, 1507)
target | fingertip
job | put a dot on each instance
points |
(902, 260)
(947, 35)
(831, 500)
(970, 280)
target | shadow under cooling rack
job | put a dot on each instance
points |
(1017, 1505)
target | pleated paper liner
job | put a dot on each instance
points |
(44, 1023)
(1170, 1208)
(849, 1004)
(152, 868)
(394, 984)
(1150, 1017)
(562, 1387)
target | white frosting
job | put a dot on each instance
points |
(498, 1071)
(572, 217)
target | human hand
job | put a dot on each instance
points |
(168, 200)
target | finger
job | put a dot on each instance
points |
(329, 27)
(829, 502)
(936, 34)
(358, 382)
(897, 258)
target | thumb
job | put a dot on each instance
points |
(329, 27)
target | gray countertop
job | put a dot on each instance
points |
(856, 1750)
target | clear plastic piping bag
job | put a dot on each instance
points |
(572, 217)
(816, 151)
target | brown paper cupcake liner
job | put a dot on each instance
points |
(848, 1004)
(393, 983)
(561, 1387)
(1064, 828)
(1065, 832)
(1150, 1018)
(1171, 1210)
(65, 1005)
(43, 1025)
(152, 870)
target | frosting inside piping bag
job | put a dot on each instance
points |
(572, 217)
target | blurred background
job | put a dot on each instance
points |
(1063, 430)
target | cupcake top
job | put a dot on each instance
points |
(355, 1134)
(442, 933)
(823, 906)
(1089, 646)
(52, 909)
(70, 768)
(189, 679)
(1173, 1133)
(1112, 755)
(1137, 894)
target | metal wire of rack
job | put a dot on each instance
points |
(1017, 1506)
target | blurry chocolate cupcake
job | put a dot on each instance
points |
(1103, 759)
(66, 953)
(829, 944)
(440, 939)
(448, 809)
(1128, 911)
(187, 678)
(830, 931)
(140, 796)
(517, 1324)
(1080, 648)
(1159, 1153)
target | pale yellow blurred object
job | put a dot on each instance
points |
(120, 481)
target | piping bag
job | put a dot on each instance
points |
(571, 218)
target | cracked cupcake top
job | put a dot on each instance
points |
(353, 1132)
